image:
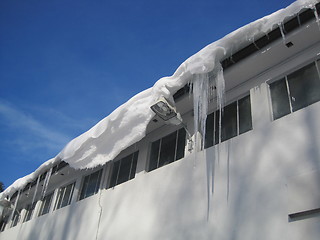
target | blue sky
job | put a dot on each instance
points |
(66, 64)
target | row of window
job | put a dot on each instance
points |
(291, 93)
(122, 171)
(296, 90)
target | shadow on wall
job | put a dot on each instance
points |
(176, 201)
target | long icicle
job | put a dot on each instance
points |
(46, 183)
(220, 94)
(15, 205)
(316, 15)
(36, 189)
(200, 105)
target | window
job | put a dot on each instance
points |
(167, 149)
(91, 184)
(295, 91)
(236, 119)
(29, 212)
(3, 224)
(124, 169)
(45, 204)
(15, 218)
(64, 196)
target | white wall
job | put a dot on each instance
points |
(255, 188)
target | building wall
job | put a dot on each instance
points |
(244, 188)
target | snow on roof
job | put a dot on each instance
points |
(127, 124)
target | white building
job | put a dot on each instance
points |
(258, 176)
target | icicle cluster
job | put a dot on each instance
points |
(200, 90)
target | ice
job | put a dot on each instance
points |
(128, 123)
(15, 204)
(282, 32)
(316, 15)
(46, 183)
(35, 190)
(200, 89)
(317, 67)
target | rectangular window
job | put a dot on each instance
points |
(91, 184)
(15, 218)
(167, 149)
(295, 91)
(236, 119)
(45, 204)
(64, 196)
(29, 212)
(124, 169)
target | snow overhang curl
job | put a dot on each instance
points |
(127, 124)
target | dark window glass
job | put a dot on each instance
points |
(304, 90)
(209, 131)
(92, 187)
(45, 205)
(154, 156)
(29, 212)
(64, 196)
(134, 165)
(15, 218)
(229, 122)
(167, 149)
(181, 143)
(304, 86)
(124, 169)
(279, 98)
(91, 184)
(115, 172)
(245, 118)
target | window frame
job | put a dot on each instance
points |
(134, 161)
(56, 205)
(41, 209)
(315, 62)
(16, 217)
(216, 134)
(29, 208)
(97, 188)
(159, 150)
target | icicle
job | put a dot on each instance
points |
(317, 67)
(255, 44)
(282, 32)
(36, 189)
(299, 21)
(200, 105)
(15, 205)
(29, 189)
(46, 182)
(209, 182)
(220, 87)
(316, 15)
(228, 170)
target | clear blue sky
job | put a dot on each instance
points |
(66, 64)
